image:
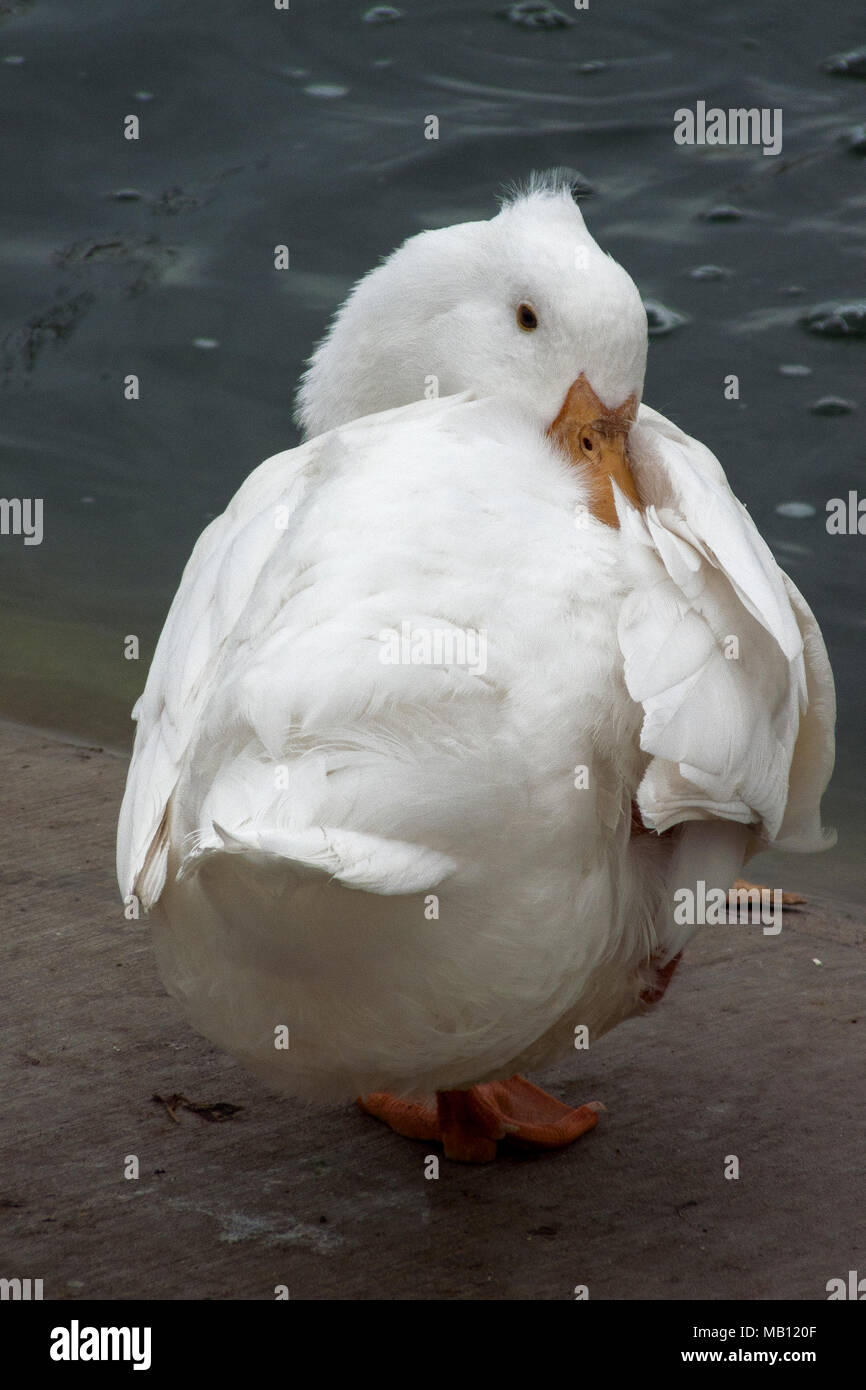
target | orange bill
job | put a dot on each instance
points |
(597, 438)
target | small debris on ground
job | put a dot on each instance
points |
(208, 1110)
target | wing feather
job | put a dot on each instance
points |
(723, 653)
(203, 626)
(213, 592)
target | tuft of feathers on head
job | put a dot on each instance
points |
(558, 182)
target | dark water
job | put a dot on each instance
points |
(306, 128)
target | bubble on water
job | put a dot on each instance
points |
(709, 272)
(536, 14)
(87, 500)
(832, 405)
(851, 64)
(206, 344)
(789, 548)
(661, 319)
(837, 320)
(14, 60)
(382, 14)
(794, 369)
(855, 139)
(329, 91)
(723, 212)
(792, 289)
(142, 96)
(125, 195)
(594, 65)
(797, 510)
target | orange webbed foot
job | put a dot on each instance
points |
(409, 1117)
(742, 885)
(469, 1124)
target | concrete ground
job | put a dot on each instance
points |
(755, 1052)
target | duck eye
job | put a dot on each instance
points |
(527, 318)
(587, 443)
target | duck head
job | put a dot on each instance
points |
(525, 306)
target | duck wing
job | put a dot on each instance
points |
(214, 590)
(723, 653)
(215, 613)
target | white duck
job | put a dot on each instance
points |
(417, 678)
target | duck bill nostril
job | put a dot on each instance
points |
(596, 438)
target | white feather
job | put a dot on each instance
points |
(722, 652)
